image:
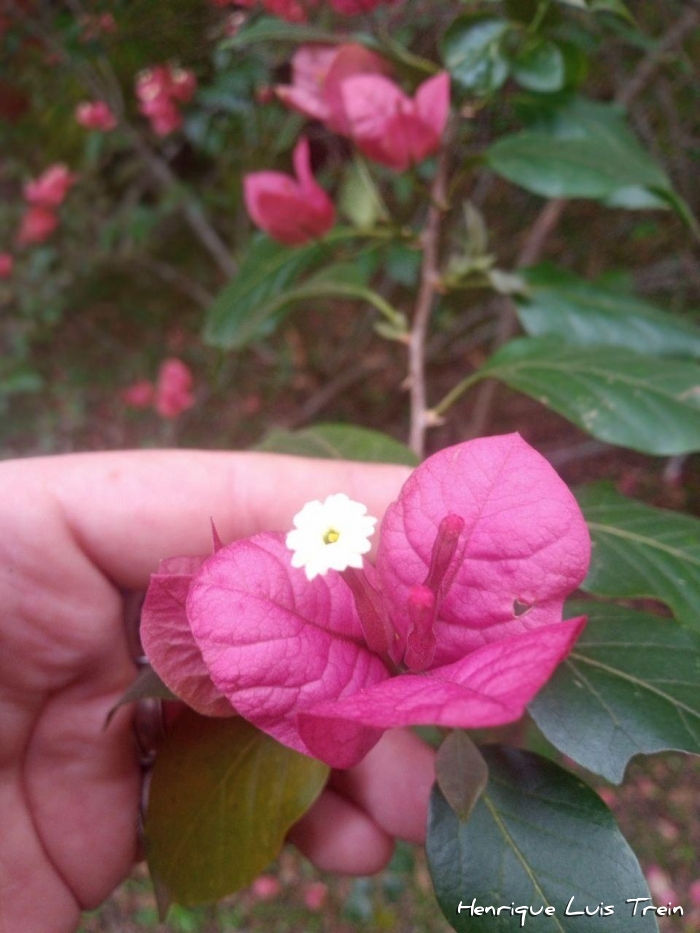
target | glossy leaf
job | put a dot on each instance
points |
(461, 773)
(645, 403)
(640, 551)
(560, 304)
(273, 29)
(540, 838)
(616, 7)
(582, 149)
(471, 51)
(270, 277)
(569, 168)
(223, 797)
(630, 686)
(338, 442)
(540, 67)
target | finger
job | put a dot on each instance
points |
(31, 890)
(392, 784)
(130, 509)
(338, 837)
(83, 784)
(63, 665)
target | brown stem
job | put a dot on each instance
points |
(429, 278)
(191, 208)
(644, 72)
(531, 251)
(176, 278)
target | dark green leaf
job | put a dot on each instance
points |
(645, 403)
(272, 29)
(568, 168)
(537, 838)
(540, 66)
(339, 442)
(19, 383)
(560, 304)
(461, 773)
(640, 551)
(471, 51)
(250, 306)
(617, 7)
(242, 311)
(631, 686)
(223, 797)
(581, 149)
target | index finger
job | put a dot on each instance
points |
(128, 510)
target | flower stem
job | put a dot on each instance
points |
(454, 394)
(429, 279)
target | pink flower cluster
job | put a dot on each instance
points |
(43, 196)
(457, 624)
(161, 90)
(170, 396)
(95, 115)
(96, 25)
(347, 88)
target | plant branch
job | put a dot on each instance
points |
(191, 208)
(429, 278)
(644, 72)
(176, 278)
(545, 223)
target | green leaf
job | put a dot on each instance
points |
(645, 403)
(538, 838)
(272, 29)
(359, 199)
(223, 797)
(641, 551)
(461, 773)
(540, 66)
(631, 686)
(582, 149)
(616, 7)
(146, 685)
(242, 311)
(251, 305)
(560, 304)
(567, 168)
(471, 51)
(18, 381)
(339, 442)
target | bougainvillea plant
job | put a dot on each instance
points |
(294, 650)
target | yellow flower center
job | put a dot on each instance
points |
(331, 536)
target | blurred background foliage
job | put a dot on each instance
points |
(126, 281)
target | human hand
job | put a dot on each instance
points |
(78, 532)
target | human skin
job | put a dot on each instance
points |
(78, 532)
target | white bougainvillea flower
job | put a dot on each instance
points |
(330, 535)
